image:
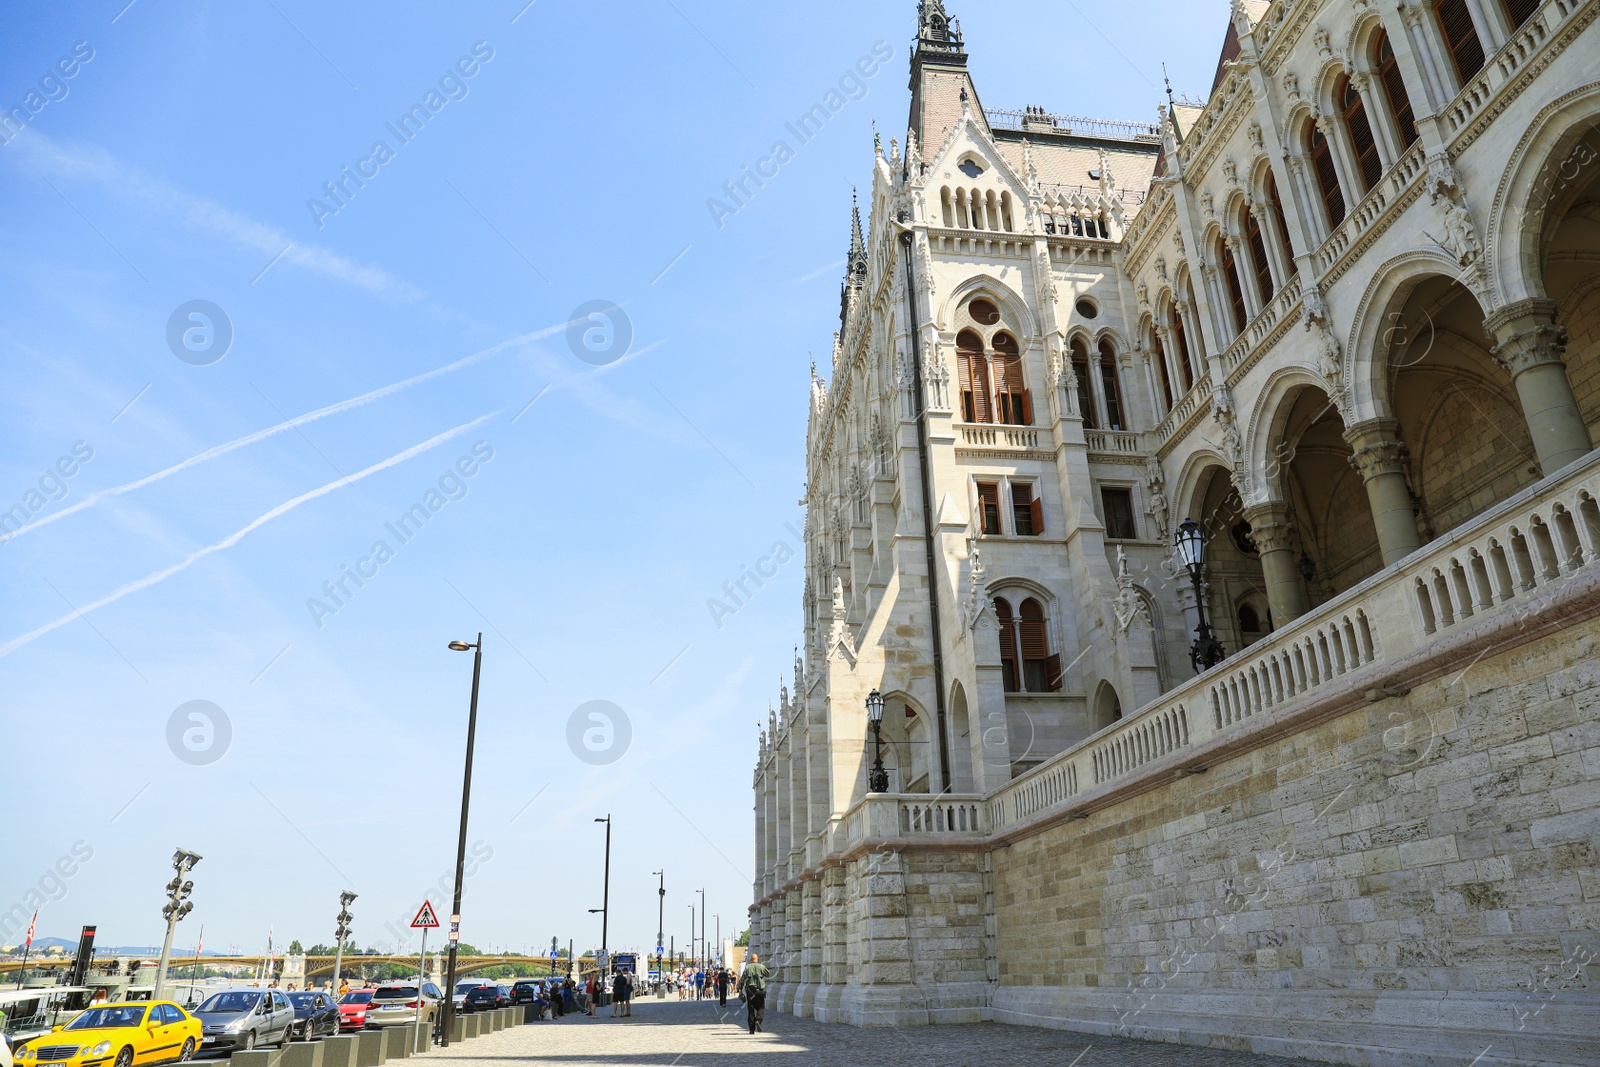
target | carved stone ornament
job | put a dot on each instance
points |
(1127, 605)
(1255, 135)
(977, 599)
(1155, 498)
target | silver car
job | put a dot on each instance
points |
(243, 1019)
(394, 1003)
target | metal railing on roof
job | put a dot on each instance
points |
(1078, 125)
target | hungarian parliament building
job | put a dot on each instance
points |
(1200, 635)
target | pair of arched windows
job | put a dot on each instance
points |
(992, 387)
(1026, 661)
(1356, 126)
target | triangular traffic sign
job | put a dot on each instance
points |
(426, 919)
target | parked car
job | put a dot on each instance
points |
(487, 998)
(353, 1009)
(245, 1018)
(151, 1032)
(315, 1015)
(464, 987)
(527, 990)
(397, 1002)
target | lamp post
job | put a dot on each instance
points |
(341, 932)
(705, 949)
(449, 1014)
(661, 917)
(1207, 651)
(692, 956)
(605, 902)
(878, 781)
(178, 905)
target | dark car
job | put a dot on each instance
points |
(487, 998)
(527, 991)
(315, 1015)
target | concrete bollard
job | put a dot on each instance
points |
(458, 1029)
(530, 1014)
(303, 1054)
(397, 1041)
(257, 1057)
(474, 1026)
(369, 1049)
(499, 1018)
(338, 1051)
(421, 1038)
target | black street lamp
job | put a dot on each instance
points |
(605, 902)
(461, 843)
(1206, 651)
(661, 916)
(878, 781)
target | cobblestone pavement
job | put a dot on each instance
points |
(688, 1034)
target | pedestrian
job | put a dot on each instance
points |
(621, 993)
(722, 987)
(699, 985)
(753, 986)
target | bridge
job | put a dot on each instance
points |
(316, 966)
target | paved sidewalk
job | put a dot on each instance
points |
(690, 1034)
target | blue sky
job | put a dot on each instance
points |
(390, 350)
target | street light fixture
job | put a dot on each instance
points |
(1206, 651)
(178, 905)
(878, 782)
(661, 917)
(341, 933)
(705, 949)
(605, 903)
(449, 1005)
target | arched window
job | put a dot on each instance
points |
(1249, 621)
(1110, 387)
(1159, 354)
(1270, 189)
(1008, 643)
(1080, 371)
(1394, 89)
(1320, 152)
(1359, 129)
(1010, 397)
(974, 377)
(1230, 274)
(1258, 255)
(1041, 672)
(1460, 37)
(1184, 363)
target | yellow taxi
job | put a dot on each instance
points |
(117, 1035)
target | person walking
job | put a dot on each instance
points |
(722, 987)
(753, 984)
(621, 992)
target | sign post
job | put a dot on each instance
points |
(426, 920)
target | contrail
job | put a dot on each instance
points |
(299, 420)
(232, 539)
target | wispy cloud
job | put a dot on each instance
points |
(291, 424)
(819, 272)
(47, 158)
(234, 538)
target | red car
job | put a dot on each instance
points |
(353, 1009)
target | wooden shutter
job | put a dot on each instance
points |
(967, 410)
(1460, 38)
(1327, 176)
(1027, 408)
(1112, 390)
(1258, 257)
(1277, 215)
(1360, 131)
(1183, 352)
(1519, 11)
(1394, 90)
(989, 505)
(1037, 507)
(1230, 271)
(1161, 365)
(1052, 672)
(1008, 644)
(983, 410)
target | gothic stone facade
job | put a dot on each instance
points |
(1345, 316)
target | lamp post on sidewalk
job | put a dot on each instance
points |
(1207, 651)
(178, 905)
(449, 1014)
(605, 902)
(661, 918)
(878, 780)
(340, 933)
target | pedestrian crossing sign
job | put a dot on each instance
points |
(426, 919)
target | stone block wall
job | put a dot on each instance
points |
(1423, 865)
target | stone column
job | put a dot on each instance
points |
(793, 935)
(1273, 534)
(1379, 456)
(1529, 344)
(810, 945)
(1243, 266)
(835, 968)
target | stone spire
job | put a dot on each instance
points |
(938, 33)
(941, 88)
(857, 258)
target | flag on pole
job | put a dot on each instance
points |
(31, 923)
(199, 941)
